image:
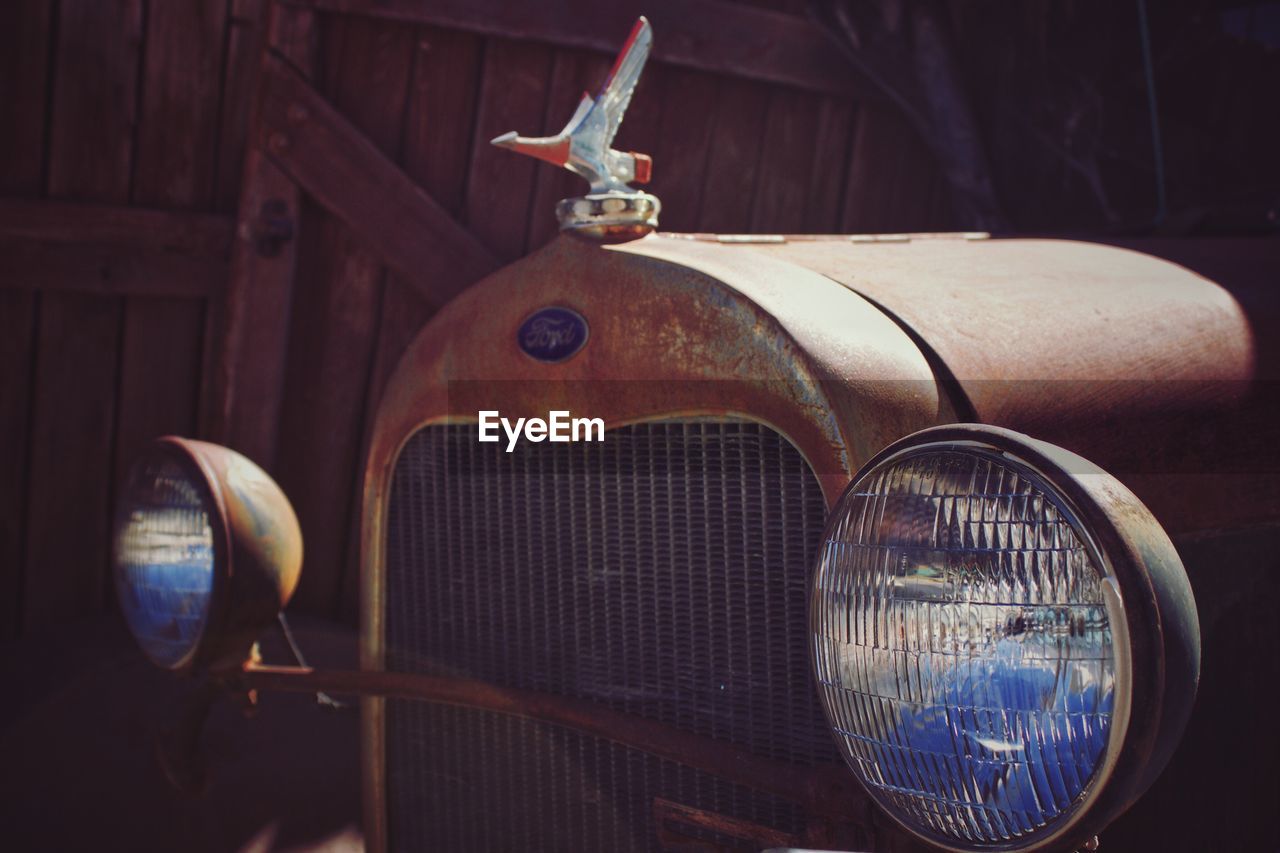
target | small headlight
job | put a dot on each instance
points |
(206, 551)
(164, 558)
(988, 614)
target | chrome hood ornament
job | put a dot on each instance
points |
(612, 211)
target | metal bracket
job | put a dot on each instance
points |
(272, 228)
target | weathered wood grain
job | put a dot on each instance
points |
(94, 99)
(248, 377)
(441, 114)
(890, 175)
(708, 35)
(437, 136)
(177, 129)
(345, 172)
(162, 340)
(681, 151)
(246, 33)
(832, 150)
(72, 429)
(160, 361)
(105, 270)
(111, 249)
(136, 228)
(322, 412)
(90, 156)
(733, 169)
(25, 41)
(786, 158)
(513, 96)
(368, 65)
(247, 24)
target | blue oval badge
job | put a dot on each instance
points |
(553, 334)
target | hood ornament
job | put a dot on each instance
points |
(612, 211)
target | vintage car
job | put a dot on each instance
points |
(707, 541)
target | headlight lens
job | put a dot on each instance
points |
(206, 552)
(164, 558)
(964, 645)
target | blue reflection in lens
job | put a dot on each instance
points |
(1029, 734)
(963, 647)
(163, 560)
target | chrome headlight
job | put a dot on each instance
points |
(206, 551)
(1004, 639)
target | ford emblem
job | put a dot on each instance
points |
(553, 334)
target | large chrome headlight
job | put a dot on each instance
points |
(1004, 639)
(206, 552)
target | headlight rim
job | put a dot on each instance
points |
(1132, 549)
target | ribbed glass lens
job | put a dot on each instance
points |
(163, 559)
(962, 646)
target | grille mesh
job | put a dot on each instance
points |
(661, 572)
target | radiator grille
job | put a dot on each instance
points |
(661, 572)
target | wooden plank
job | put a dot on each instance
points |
(912, 188)
(513, 96)
(17, 338)
(107, 270)
(95, 99)
(200, 234)
(334, 332)
(94, 108)
(248, 376)
(215, 320)
(174, 167)
(681, 151)
(322, 411)
(367, 79)
(573, 72)
(160, 364)
(247, 24)
(859, 214)
(441, 115)
(782, 196)
(733, 166)
(829, 174)
(404, 312)
(178, 120)
(707, 35)
(246, 34)
(315, 146)
(249, 371)
(885, 176)
(24, 73)
(437, 137)
(73, 417)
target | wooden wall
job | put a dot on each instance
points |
(118, 147)
(139, 296)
